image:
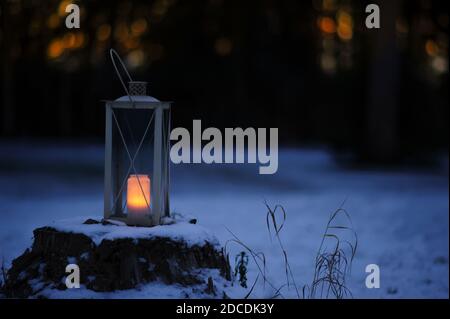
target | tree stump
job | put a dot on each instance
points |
(116, 257)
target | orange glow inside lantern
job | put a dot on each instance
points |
(138, 194)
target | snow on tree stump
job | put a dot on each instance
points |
(115, 257)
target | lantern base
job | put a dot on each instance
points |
(141, 221)
(114, 257)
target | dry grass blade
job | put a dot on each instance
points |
(251, 289)
(272, 214)
(332, 266)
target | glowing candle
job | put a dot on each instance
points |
(138, 195)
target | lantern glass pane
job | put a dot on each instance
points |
(132, 155)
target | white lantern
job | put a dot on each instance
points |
(137, 141)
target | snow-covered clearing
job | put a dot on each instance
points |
(401, 216)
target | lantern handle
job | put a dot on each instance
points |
(113, 53)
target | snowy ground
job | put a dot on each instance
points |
(401, 217)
